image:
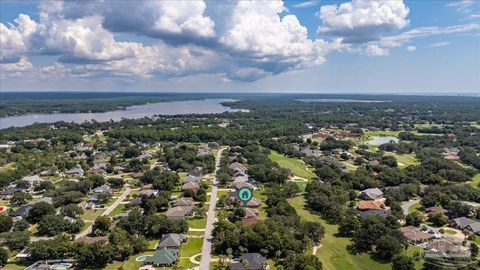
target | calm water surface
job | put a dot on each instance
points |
(378, 140)
(137, 111)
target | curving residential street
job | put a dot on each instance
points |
(207, 240)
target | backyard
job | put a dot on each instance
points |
(333, 251)
(295, 165)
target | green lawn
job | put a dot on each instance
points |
(118, 210)
(371, 133)
(475, 181)
(477, 239)
(415, 207)
(196, 233)
(191, 247)
(295, 165)
(405, 159)
(197, 223)
(92, 214)
(130, 264)
(12, 266)
(451, 232)
(302, 185)
(333, 254)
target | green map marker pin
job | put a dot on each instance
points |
(245, 194)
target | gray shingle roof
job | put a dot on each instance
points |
(171, 240)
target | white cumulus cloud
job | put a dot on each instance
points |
(362, 20)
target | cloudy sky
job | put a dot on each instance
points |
(358, 46)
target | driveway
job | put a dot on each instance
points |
(406, 205)
(106, 212)
(207, 240)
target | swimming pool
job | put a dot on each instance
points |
(141, 258)
(62, 266)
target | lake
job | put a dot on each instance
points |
(378, 140)
(205, 106)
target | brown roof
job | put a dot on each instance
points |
(250, 221)
(254, 203)
(249, 212)
(183, 201)
(413, 233)
(367, 205)
(191, 185)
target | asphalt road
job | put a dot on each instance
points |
(106, 212)
(406, 205)
(207, 240)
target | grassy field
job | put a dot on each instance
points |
(295, 165)
(118, 210)
(191, 247)
(451, 232)
(197, 223)
(475, 181)
(415, 207)
(404, 160)
(92, 214)
(372, 133)
(333, 253)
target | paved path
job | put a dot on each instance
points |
(207, 240)
(406, 205)
(106, 212)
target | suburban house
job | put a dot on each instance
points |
(98, 171)
(371, 194)
(179, 212)
(196, 172)
(137, 201)
(148, 192)
(171, 241)
(467, 224)
(240, 183)
(191, 178)
(383, 213)
(311, 152)
(255, 262)
(8, 192)
(451, 153)
(194, 186)
(371, 205)
(203, 151)
(447, 247)
(32, 180)
(238, 167)
(162, 257)
(253, 203)
(77, 170)
(49, 173)
(21, 212)
(415, 235)
(251, 217)
(93, 198)
(182, 201)
(104, 189)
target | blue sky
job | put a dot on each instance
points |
(210, 46)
